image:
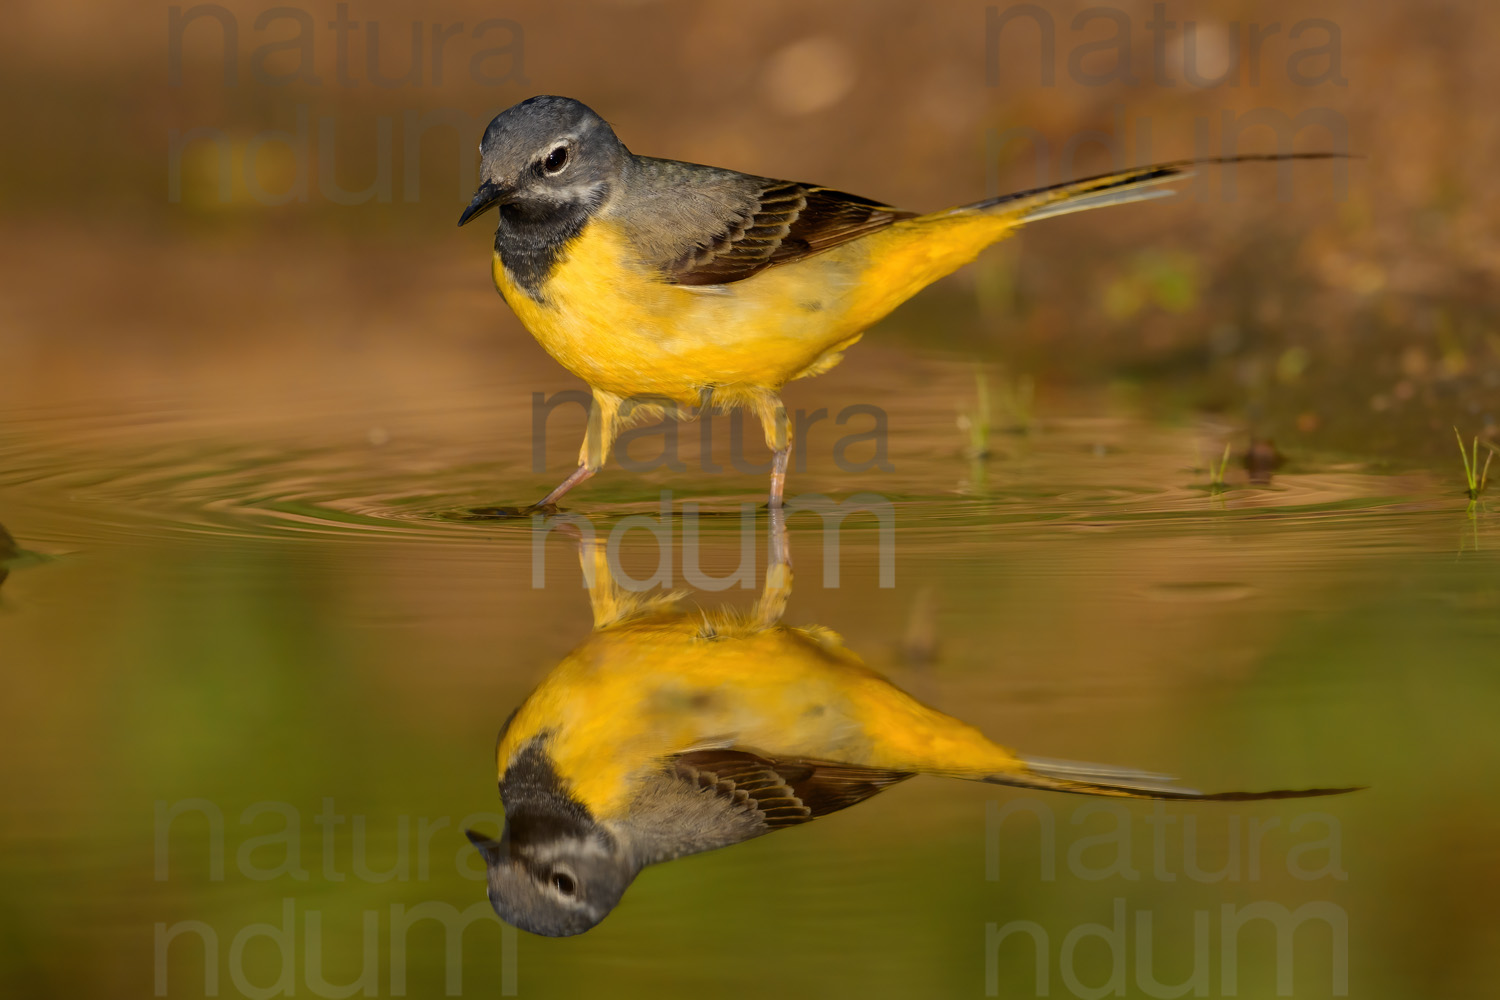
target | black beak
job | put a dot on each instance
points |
(492, 850)
(488, 195)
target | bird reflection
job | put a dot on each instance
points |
(672, 731)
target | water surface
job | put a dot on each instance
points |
(258, 661)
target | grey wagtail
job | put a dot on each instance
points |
(667, 733)
(671, 286)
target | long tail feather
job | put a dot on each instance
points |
(1118, 188)
(1097, 779)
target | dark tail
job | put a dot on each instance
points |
(1119, 188)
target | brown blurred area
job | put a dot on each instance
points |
(1358, 314)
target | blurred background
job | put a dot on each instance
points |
(251, 375)
(174, 201)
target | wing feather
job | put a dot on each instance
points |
(784, 791)
(785, 221)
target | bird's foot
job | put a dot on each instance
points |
(508, 513)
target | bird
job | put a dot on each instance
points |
(671, 287)
(671, 731)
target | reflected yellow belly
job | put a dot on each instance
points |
(630, 697)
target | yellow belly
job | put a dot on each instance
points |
(612, 321)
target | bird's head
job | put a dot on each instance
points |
(553, 882)
(544, 153)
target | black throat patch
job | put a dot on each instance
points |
(536, 805)
(532, 236)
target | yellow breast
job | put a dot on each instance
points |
(612, 320)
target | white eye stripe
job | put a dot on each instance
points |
(567, 847)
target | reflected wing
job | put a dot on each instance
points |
(786, 221)
(783, 791)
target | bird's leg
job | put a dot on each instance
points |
(609, 601)
(597, 441)
(778, 588)
(578, 475)
(778, 477)
(772, 413)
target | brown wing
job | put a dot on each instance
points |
(783, 791)
(789, 221)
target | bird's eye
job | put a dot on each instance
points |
(556, 160)
(563, 883)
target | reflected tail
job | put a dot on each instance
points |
(1097, 779)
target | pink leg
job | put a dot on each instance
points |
(579, 475)
(778, 476)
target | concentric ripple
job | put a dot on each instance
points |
(159, 471)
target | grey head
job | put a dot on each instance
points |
(552, 877)
(544, 156)
(555, 870)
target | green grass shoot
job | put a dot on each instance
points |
(1475, 477)
(978, 422)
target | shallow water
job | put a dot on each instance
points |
(224, 630)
